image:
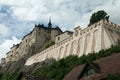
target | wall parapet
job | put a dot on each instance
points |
(82, 42)
(56, 45)
(84, 31)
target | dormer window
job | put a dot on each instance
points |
(89, 71)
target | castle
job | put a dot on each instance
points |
(100, 35)
(33, 42)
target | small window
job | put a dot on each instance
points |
(90, 72)
(58, 38)
(76, 33)
(39, 33)
(39, 28)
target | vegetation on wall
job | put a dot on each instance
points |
(1, 76)
(97, 16)
(49, 44)
(60, 68)
(113, 77)
(11, 76)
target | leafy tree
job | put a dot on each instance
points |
(97, 16)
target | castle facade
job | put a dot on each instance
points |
(100, 35)
(33, 42)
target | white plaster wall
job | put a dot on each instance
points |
(79, 45)
(62, 37)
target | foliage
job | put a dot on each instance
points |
(113, 77)
(11, 76)
(49, 44)
(1, 76)
(59, 69)
(97, 16)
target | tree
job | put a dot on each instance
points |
(97, 16)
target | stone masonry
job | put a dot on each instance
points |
(100, 35)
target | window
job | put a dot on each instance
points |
(90, 72)
(58, 38)
(39, 33)
(76, 33)
(39, 28)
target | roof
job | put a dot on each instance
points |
(70, 32)
(44, 27)
(39, 25)
(8, 52)
(107, 65)
(57, 28)
(15, 46)
(28, 34)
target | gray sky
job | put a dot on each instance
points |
(18, 17)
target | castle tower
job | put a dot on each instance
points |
(50, 24)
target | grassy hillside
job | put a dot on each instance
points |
(60, 68)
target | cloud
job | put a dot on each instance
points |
(63, 12)
(6, 45)
(3, 30)
(18, 18)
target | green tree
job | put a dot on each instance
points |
(97, 16)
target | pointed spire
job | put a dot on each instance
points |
(50, 24)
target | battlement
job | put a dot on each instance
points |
(56, 45)
(80, 42)
(82, 32)
(77, 44)
(67, 40)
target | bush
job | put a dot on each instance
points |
(11, 76)
(113, 77)
(49, 44)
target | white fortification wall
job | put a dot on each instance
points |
(98, 36)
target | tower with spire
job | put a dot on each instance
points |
(50, 24)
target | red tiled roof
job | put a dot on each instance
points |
(107, 65)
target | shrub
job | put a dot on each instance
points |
(113, 77)
(59, 69)
(11, 76)
(49, 44)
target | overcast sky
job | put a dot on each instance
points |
(18, 17)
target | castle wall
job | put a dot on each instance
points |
(98, 36)
(3, 61)
(54, 32)
(63, 36)
(17, 51)
(32, 42)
